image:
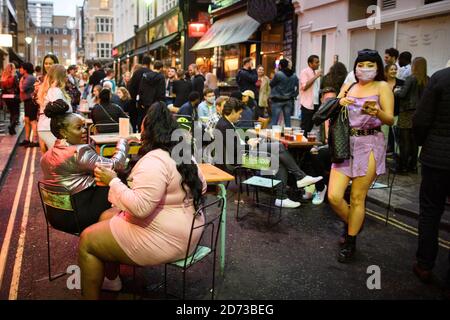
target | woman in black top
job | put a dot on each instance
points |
(128, 106)
(107, 113)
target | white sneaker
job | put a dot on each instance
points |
(309, 192)
(319, 196)
(308, 180)
(286, 203)
(112, 285)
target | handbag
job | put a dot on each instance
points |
(339, 132)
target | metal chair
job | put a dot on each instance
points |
(260, 163)
(211, 228)
(60, 213)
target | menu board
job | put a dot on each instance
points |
(288, 41)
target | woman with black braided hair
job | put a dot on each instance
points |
(153, 212)
(71, 162)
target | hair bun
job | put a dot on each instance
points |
(56, 108)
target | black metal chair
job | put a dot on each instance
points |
(211, 228)
(60, 213)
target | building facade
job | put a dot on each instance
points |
(337, 29)
(41, 12)
(97, 30)
(58, 40)
(157, 28)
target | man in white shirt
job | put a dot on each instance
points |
(404, 61)
(309, 95)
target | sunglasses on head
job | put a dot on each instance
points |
(367, 52)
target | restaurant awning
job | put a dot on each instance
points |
(162, 42)
(234, 29)
(14, 57)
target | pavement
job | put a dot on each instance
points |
(8, 144)
(405, 197)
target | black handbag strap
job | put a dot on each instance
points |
(349, 88)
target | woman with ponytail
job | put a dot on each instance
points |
(52, 89)
(71, 162)
(153, 212)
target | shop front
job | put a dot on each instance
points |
(239, 34)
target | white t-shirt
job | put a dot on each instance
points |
(53, 94)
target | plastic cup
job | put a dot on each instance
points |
(257, 127)
(298, 135)
(312, 136)
(276, 132)
(104, 164)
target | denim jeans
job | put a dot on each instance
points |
(434, 189)
(287, 107)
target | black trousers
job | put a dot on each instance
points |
(318, 164)
(287, 167)
(408, 150)
(90, 204)
(434, 189)
(307, 115)
(14, 111)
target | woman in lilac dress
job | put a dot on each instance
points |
(370, 104)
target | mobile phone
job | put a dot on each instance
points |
(369, 103)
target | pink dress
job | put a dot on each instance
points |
(156, 218)
(362, 146)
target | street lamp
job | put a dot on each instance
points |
(28, 40)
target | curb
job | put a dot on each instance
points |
(3, 173)
(444, 225)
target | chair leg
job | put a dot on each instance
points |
(390, 196)
(165, 280)
(214, 275)
(184, 284)
(238, 203)
(50, 277)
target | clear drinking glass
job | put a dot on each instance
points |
(104, 164)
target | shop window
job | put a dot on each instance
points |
(357, 9)
(231, 62)
(56, 43)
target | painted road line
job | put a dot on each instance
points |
(442, 243)
(12, 219)
(413, 229)
(14, 288)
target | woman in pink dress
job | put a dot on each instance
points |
(370, 104)
(153, 212)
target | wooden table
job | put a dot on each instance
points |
(214, 175)
(105, 143)
(287, 143)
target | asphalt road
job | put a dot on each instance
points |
(296, 259)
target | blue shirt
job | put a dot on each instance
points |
(206, 111)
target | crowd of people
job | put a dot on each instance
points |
(385, 103)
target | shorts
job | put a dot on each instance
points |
(31, 109)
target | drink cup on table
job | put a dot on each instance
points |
(276, 131)
(298, 135)
(104, 164)
(257, 127)
(312, 136)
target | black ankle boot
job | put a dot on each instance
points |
(348, 249)
(343, 234)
